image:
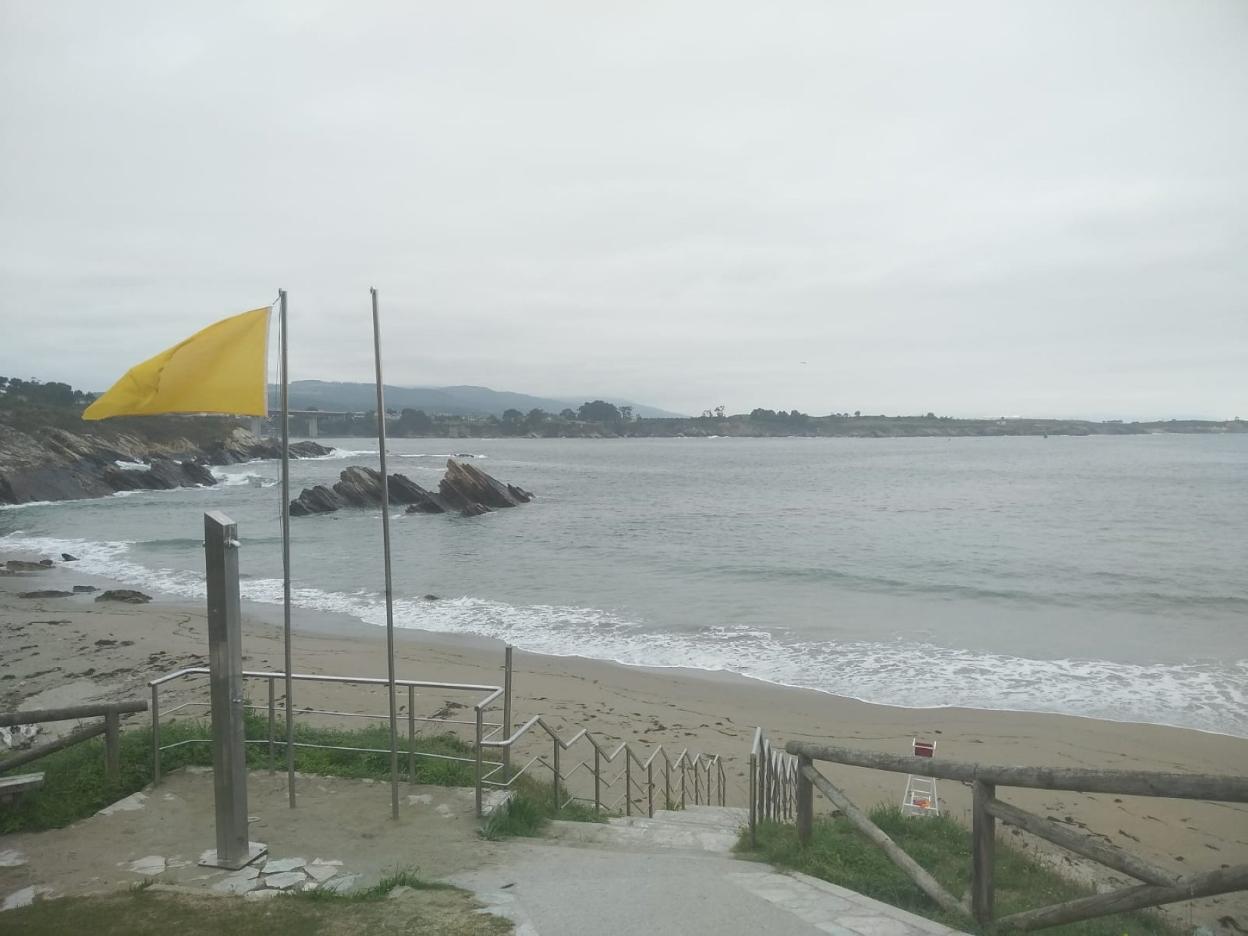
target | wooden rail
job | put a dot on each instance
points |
(1159, 885)
(110, 727)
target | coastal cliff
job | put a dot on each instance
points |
(42, 461)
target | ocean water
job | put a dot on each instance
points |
(1099, 576)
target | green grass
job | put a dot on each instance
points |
(75, 786)
(841, 854)
(403, 878)
(531, 807)
(435, 908)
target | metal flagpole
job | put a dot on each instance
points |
(385, 543)
(290, 683)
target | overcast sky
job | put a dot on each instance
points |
(989, 208)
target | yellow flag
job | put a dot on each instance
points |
(218, 370)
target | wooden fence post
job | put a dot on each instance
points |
(112, 745)
(984, 841)
(805, 801)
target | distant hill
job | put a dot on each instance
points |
(456, 401)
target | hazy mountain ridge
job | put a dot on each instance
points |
(462, 400)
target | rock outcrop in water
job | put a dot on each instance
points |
(463, 489)
(52, 463)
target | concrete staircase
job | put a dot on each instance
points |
(713, 829)
(667, 874)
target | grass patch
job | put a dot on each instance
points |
(75, 786)
(403, 878)
(433, 908)
(531, 807)
(839, 853)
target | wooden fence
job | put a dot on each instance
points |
(110, 728)
(1158, 886)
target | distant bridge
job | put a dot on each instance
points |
(312, 417)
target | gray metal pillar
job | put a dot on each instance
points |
(225, 661)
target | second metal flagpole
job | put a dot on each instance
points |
(290, 697)
(385, 543)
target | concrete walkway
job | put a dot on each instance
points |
(673, 873)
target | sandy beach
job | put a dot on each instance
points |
(61, 651)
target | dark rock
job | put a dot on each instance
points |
(430, 597)
(464, 489)
(317, 500)
(45, 593)
(66, 557)
(196, 473)
(306, 450)
(18, 565)
(46, 563)
(359, 487)
(465, 486)
(56, 464)
(84, 589)
(127, 595)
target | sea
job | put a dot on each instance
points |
(1102, 576)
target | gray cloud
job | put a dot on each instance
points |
(975, 208)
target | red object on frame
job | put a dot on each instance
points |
(924, 748)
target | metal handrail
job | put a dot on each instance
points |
(700, 765)
(701, 776)
(484, 730)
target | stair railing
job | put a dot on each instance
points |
(773, 783)
(701, 777)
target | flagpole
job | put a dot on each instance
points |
(385, 542)
(290, 683)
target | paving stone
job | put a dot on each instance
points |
(26, 896)
(11, 858)
(342, 885)
(238, 883)
(285, 880)
(445, 811)
(149, 864)
(132, 803)
(321, 872)
(279, 865)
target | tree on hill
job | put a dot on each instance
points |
(15, 390)
(599, 411)
(414, 422)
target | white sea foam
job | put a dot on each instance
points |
(29, 504)
(237, 479)
(898, 673)
(131, 465)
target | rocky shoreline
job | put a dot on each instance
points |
(54, 464)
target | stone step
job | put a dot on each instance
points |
(638, 834)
